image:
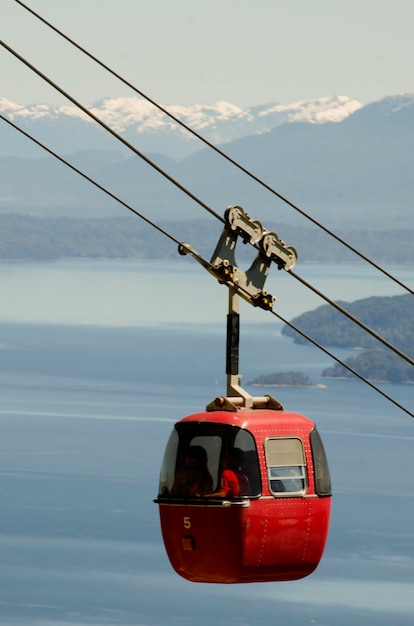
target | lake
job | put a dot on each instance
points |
(129, 293)
(97, 361)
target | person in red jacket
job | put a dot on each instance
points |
(234, 482)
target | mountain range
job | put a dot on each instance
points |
(342, 163)
(143, 124)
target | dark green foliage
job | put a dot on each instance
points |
(27, 237)
(390, 317)
(127, 236)
(375, 365)
(283, 379)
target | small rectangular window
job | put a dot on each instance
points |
(286, 465)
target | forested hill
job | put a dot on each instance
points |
(391, 317)
(48, 238)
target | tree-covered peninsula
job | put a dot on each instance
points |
(391, 317)
(282, 379)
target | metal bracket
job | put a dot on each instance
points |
(247, 284)
(234, 403)
(284, 256)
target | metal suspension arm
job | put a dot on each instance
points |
(249, 285)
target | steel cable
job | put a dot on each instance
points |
(182, 187)
(111, 131)
(203, 261)
(89, 179)
(216, 149)
(343, 363)
(353, 318)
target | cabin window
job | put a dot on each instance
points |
(196, 456)
(320, 464)
(167, 472)
(250, 464)
(286, 466)
(212, 444)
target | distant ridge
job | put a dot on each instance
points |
(138, 120)
(34, 238)
(346, 165)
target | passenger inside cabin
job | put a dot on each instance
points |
(194, 479)
(234, 482)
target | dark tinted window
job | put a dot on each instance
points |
(216, 442)
(320, 462)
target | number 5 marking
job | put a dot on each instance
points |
(187, 522)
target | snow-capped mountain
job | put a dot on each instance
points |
(140, 121)
(350, 166)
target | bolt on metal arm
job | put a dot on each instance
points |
(247, 284)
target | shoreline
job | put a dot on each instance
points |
(317, 386)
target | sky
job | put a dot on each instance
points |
(190, 52)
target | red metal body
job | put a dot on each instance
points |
(268, 537)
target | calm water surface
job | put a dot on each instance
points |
(91, 383)
(140, 292)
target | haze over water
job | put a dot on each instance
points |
(125, 292)
(97, 361)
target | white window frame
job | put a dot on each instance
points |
(285, 463)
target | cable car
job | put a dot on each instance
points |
(275, 527)
(244, 492)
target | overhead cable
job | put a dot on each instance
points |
(126, 143)
(89, 179)
(215, 148)
(353, 318)
(343, 363)
(182, 187)
(199, 258)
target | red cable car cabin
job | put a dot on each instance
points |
(273, 525)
